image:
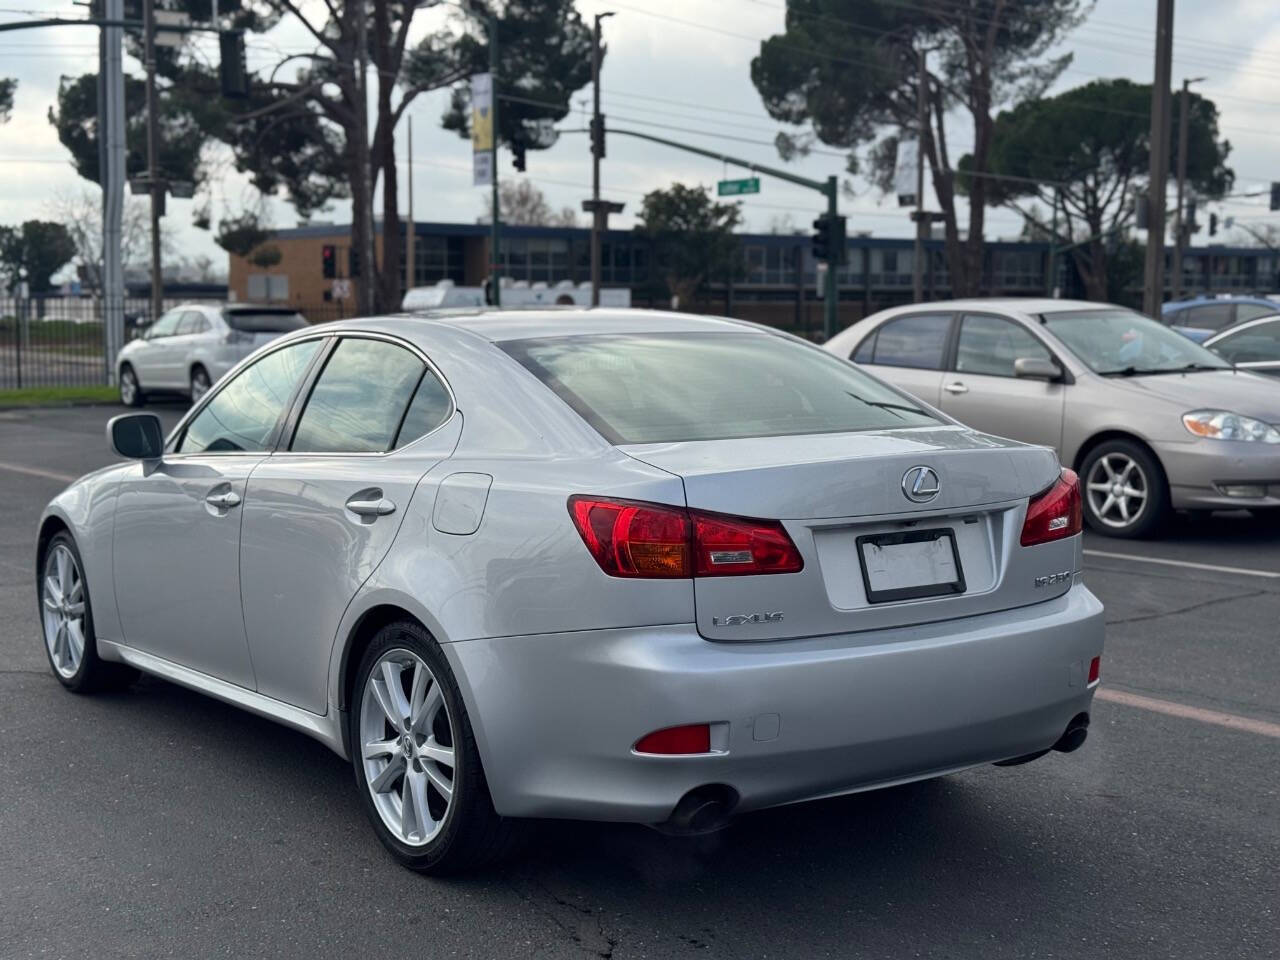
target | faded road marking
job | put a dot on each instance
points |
(37, 472)
(1229, 720)
(1242, 571)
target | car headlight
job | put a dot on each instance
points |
(1224, 425)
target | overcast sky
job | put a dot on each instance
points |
(680, 64)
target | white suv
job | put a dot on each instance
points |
(192, 345)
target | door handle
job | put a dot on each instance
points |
(370, 504)
(223, 501)
(955, 386)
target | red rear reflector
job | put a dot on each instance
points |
(693, 738)
(1095, 669)
(1056, 513)
(634, 539)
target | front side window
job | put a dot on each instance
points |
(359, 399)
(166, 326)
(1258, 344)
(1120, 342)
(242, 416)
(190, 323)
(1252, 311)
(672, 387)
(990, 345)
(917, 341)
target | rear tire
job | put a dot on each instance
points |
(1125, 491)
(406, 717)
(131, 394)
(66, 619)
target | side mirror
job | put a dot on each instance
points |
(136, 436)
(1036, 368)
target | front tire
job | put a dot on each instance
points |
(131, 394)
(66, 618)
(200, 383)
(1125, 492)
(417, 767)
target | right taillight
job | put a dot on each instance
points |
(1056, 513)
(628, 538)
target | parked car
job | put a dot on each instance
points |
(1252, 345)
(191, 346)
(1201, 317)
(612, 565)
(1150, 420)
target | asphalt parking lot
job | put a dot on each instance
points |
(161, 823)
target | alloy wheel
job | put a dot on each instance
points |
(62, 599)
(128, 387)
(1118, 490)
(407, 747)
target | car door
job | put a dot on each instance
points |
(1255, 346)
(152, 359)
(182, 345)
(322, 511)
(908, 351)
(982, 391)
(176, 548)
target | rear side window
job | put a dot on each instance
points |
(1258, 344)
(866, 350)
(429, 408)
(1252, 311)
(990, 345)
(918, 341)
(359, 399)
(1211, 316)
(662, 388)
(264, 321)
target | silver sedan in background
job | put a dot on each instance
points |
(613, 565)
(1149, 420)
(191, 346)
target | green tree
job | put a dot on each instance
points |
(693, 238)
(1087, 149)
(7, 86)
(849, 68)
(34, 252)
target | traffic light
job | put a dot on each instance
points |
(517, 155)
(829, 239)
(353, 262)
(329, 261)
(597, 136)
(231, 68)
(1141, 210)
(1275, 196)
(1213, 224)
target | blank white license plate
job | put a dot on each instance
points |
(910, 566)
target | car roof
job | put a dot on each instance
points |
(1028, 306)
(1204, 298)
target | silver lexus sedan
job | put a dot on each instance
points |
(614, 565)
(1151, 421)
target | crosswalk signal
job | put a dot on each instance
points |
(1275, 196)
(829, 239)
(597, 135)
(353, 262)
(821, 239)
(329, 261)
(232, 70)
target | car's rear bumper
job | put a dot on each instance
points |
(556, 715)
(1209, 474)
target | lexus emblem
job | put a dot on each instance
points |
(920, 484)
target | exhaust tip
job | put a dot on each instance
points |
(702, 810)
(1075, 735)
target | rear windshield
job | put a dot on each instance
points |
(264, 321)
(665, 387)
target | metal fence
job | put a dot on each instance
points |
(59, 342)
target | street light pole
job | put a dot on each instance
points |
(495, 238)
(597, 141)
(155, 186)
(1153, 278)
(922, 224)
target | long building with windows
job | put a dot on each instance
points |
(777, 282)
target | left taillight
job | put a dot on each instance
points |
(651, 540)
(1056, 513)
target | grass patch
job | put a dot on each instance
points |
(56, 396)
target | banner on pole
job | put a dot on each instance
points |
(482, 132)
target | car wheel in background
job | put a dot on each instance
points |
(67, 622)
(131, 394)
(1125, 494)
(416, 762)
(199, 383)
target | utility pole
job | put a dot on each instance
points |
(1182, 227)
(598, 214)
(1153, 282)
(495, 230)
(409, 231)
(155, 185)
(922, 224)
(112, 138)
(366, 281)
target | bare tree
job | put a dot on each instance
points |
(81, 213)
(523, 203)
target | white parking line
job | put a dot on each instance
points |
(1211, 567)
(1230, 720)
(37, 472)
